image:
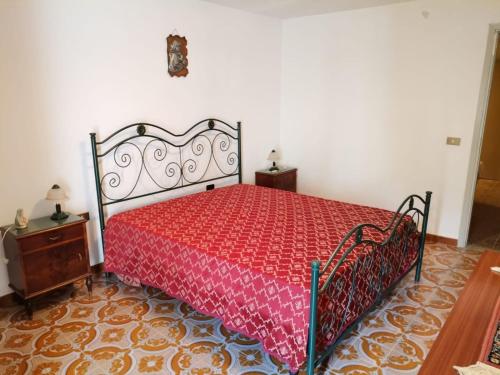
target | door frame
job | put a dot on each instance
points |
(477, 137)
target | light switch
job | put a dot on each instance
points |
(453, 141)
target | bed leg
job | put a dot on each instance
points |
(313, 318)
(420, 259)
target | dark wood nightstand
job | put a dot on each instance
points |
(47, 255)
(284, 179)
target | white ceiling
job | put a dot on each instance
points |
(300, 8)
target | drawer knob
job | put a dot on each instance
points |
(55, 238)
(80, 256)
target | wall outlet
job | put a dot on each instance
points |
(210, 187)
(453, 141)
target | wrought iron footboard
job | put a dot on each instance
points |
(397, 234)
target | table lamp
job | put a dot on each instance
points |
(57, 194)
(274, 157)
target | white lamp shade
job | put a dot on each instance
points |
(56, 193)
(274, 156)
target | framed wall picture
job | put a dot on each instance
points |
(177, 56)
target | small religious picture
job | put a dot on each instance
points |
(177, 56)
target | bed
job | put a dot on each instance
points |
(294, 271)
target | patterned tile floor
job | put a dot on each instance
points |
(127, 330)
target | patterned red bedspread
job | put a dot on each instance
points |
(243, 253)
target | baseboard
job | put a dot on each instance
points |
(10, 300)
(433, 238)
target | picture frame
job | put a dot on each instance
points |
(177, 56)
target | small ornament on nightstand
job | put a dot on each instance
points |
(21, 222)
(274, 156)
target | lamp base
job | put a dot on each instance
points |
(58, 216)
(274, 168)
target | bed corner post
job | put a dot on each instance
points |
(313, 318)
(98, 187)
(420, 259)
(240, 172)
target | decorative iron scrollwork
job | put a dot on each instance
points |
(209, 150)
(122, 160)
(351, 283)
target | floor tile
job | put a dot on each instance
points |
(42, 365)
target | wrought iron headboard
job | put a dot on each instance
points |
(209, 150)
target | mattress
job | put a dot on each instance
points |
(242, 253)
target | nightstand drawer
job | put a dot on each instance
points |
(52, 237)
(288, 182)
(44, 269)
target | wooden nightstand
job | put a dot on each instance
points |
(284, 179)
(47, 255)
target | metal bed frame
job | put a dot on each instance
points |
(213, 139)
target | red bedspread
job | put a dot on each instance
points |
(242, 253)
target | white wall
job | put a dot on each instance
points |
(369, 96)
(69, 67)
